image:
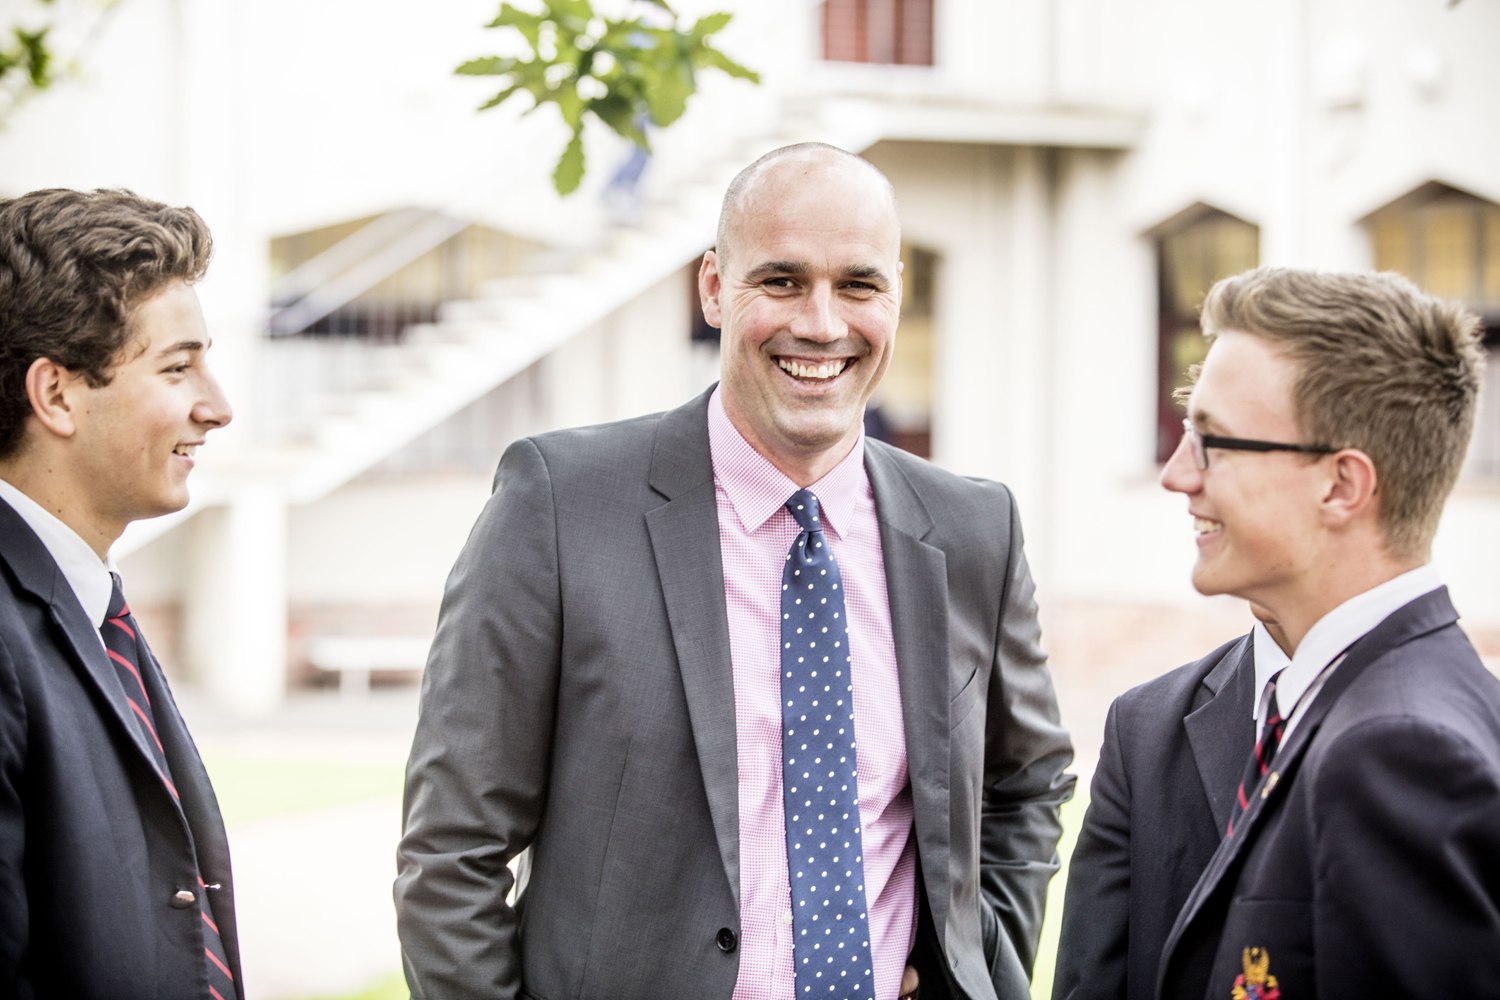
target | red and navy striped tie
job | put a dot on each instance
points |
(1265, 749)
(123, 642)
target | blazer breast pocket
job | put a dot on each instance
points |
(963, 703)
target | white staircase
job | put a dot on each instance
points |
(365, 401)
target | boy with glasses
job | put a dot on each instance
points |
(1326, 428)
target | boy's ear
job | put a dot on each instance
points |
(1351, 489)
(47, 387)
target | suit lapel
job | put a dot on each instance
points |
(1423, 615)
(37, 573)
(916, 577)
(1210, 728)
(685, 539)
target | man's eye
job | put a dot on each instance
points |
(779, 282)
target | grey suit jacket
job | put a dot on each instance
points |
(579, 701)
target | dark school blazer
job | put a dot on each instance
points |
(1368, 863)
(92, 845)
(1173, 751)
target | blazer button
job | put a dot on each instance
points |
(182, 899)
(727, 940)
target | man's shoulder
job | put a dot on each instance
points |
(1170, 696)
(950, 499)
(597, 445)
(928, 477)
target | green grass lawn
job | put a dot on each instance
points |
(390, 988)
(256, 788)
(1046, 956)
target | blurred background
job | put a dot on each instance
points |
(398, 293)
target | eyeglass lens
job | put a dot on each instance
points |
(1195, 445)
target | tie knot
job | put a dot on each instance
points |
(804, 507)
(117, 605)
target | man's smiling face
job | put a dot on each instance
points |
(808, 297)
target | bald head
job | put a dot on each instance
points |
(769, 176)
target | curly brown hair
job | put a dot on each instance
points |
(74, 265)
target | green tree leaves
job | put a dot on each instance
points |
(623, 72)
(26, 64)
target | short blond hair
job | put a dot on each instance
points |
(1385, 368)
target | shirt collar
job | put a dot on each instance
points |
(86, 573)
(1341, 627)
(757, 489)
(1269, 659)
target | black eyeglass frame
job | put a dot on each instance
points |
(1204, 442)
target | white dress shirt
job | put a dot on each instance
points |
(1270, 659)
(86, 573)
(1322, 649)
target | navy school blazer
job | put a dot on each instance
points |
(1368, 863)
(93, 848)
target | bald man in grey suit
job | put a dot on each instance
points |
(580, 699)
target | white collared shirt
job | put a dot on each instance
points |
(86, 573)
(1270, 659)
(1322, 649)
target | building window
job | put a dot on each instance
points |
(1195, 248)
(878, 31)
(1447, 241)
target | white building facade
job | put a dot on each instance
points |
(1072, 174)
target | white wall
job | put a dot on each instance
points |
(391, 538)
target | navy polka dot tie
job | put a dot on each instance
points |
(820, 788)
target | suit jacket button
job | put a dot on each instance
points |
(727, 940)
(182, 899)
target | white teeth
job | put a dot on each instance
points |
(1205, 527)
(188, 450)
(821, 371)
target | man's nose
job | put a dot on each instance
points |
(212, 409)
(1181, 473)
(818, 319)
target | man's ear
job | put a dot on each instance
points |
(47, 386)
(1351, 490)
(709, 288)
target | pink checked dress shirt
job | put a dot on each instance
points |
(755, 533)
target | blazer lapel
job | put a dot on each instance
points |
(37, 573)
(685, 539)
(1423, 615)
(1220, 757)
(916, 577)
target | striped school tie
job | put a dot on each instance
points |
(126, 648)
(1265, 749)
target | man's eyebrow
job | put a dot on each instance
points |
(181, 345)
(865, 271)
(774, 267)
